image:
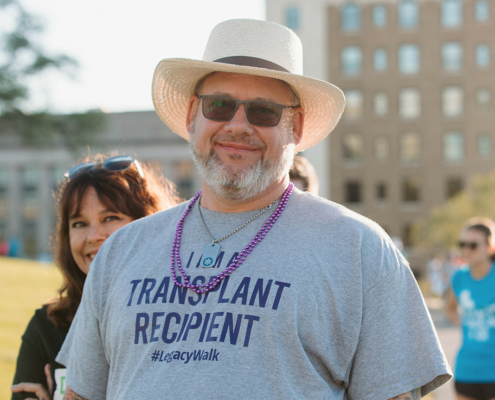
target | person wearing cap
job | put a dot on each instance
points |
(252, 289)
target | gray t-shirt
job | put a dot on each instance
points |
(325, 307)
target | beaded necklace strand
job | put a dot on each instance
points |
(205, 288)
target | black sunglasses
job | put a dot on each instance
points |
(114, 164)
(470, 245)
(259, 113)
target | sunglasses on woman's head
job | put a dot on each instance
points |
(114, 164)
(469, 245)
(259, 113)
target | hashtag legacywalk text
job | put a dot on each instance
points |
(185, 356)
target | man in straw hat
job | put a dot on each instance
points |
(252, 289)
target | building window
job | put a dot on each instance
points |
(409, 103)
(410, 147)
(351, 17)
(353, 146)
(483, 99)
(454, 186)
(452, 101)
(57, 175)
(3, 232)
(352, 60)
(4, 212)
(409, 59)
(292, 18)
(483, 55)
(353, 192)
(482, 10)
(452, 56)
(453, 147)
(354, 105)
(411, 190)
(451, 13)
(381, 148)
(484, 145)
(4, 180)
(381, 191)
(380, 59)
(30, 208)
(379, 15)
(407, 238)
(408, 14)
(380, 104)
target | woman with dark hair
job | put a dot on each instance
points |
(97, 197)
(473, 294)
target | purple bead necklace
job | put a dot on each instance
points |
(205, 288)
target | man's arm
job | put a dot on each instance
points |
(412, 395)
(71, 395)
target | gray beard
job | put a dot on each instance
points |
(245, 183)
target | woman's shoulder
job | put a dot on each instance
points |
(40, 316)
(39, 321)
(40, 324)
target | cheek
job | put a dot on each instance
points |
(119, 224)
(116, 227)
(74, 241)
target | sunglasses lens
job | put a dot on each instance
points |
(218, 108)
(264, 113)
(120, 163)
(471, 246)
(77, 169)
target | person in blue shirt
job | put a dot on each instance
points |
(471, 304)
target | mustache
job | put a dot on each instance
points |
(242, 139)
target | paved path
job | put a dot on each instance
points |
(450, 337)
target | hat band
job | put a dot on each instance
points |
(251, 62)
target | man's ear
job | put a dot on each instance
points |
(298, 124)
(191, 111)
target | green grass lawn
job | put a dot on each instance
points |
(24, 286)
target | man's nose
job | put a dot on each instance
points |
(239, 122)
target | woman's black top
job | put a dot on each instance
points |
(40, 345)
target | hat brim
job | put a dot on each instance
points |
(175, 80)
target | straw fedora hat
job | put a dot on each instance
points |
(252, 47)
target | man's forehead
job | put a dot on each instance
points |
(225, 82)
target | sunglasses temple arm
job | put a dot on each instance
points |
(138, 167)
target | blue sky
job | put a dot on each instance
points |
(119, 43)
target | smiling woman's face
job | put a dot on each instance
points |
(94, 223)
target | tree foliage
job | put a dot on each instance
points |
(440, 229)
(22, 59)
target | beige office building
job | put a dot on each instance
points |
(419, 81)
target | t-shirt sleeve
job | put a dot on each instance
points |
(31, 360)
(398, 349)
(82, 352)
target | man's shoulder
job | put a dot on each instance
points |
(320, 211)
(158, 221)
(332, 226)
